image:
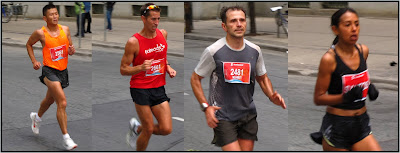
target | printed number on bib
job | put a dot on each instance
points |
(58, 53)
(157, 68)
(360, 79)
(237, 72)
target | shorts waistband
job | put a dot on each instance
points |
(347, 117)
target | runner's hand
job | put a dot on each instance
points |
(171, 71)
(71, 50)
(146, 65)
(210, 116)
(36, 65)
(278, 100)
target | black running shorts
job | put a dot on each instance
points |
(227, 132)
(152, 96)
(345, 131)
(55, 75)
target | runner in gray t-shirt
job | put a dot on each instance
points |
(233, 64)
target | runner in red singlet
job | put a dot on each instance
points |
(147, 52)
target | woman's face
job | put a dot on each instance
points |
(348, 28)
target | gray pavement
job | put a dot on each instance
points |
(17, 33)
(272, 119)
(311, 37)
(211, 30)
(22, 93)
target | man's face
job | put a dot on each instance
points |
(235, 24)
(51, 16)
(151, 22)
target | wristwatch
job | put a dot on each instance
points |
(203, 106)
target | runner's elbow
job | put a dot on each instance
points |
(122, 71)
(195, 78)
(317, 101)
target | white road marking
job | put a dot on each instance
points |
(185, 94)
(178, 118)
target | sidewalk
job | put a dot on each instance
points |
(311, 37)
(16, 33)
(266, 28)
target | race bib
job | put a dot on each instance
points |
(157, 68)
(57, 53)
(351, 80)
(237, 72)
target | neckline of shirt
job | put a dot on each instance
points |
(241, 48)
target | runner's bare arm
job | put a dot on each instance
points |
(35, 37)
(71, 49)
(170, 70)
(326, 68)
(266, 86)
(164, 32)
(131, 50)
(195, 82)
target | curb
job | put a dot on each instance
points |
(372, 79)
(262, 45)
(84, 53)
(122, 46)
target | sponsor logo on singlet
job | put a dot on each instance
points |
(159, 48)
(361, 79)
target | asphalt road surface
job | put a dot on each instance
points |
(305, 117)
(22, 93)
(113, 106)
(272, 119)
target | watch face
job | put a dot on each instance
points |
(204, 106)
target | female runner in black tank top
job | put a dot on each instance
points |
(344, 57)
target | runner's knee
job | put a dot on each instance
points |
(62, 103)
(165, 130)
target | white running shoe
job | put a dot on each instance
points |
(69, 144)
(132, 135)
(35, 123)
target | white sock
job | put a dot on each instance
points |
(66, 136)
(38, 118)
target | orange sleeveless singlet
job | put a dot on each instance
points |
(55, 51)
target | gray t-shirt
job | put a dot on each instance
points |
(232, 79)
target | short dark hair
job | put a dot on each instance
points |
(145, 12)
(225, 9)
(335, 19)
(47, 7)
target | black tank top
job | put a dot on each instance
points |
(344, 78)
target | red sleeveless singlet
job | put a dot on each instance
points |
(155, 48)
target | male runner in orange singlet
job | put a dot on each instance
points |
(57, 44)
